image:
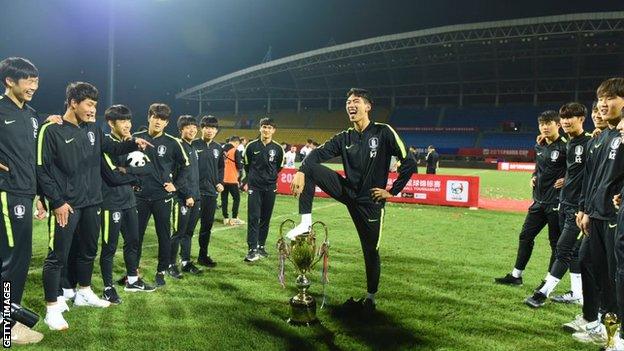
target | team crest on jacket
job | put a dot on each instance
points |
(183, 210)
(19, 211)
(272, 154)
(162, 150)
(554, 155)
(91, 137)
(35, 125)
(215, 152)
(373, 144)
(578, 151)
(615, 144)
(116, 217)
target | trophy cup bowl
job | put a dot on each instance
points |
(304, 254)
(611, 325)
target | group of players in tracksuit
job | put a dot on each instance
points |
(98, 186)
(577, 191)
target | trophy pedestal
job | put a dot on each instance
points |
(302, 310)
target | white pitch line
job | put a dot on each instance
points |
(120, 252)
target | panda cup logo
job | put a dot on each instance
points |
(136, 159)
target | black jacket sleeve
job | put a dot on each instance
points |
(113, 176)
(116, 148)
(182, 169)
(408, 163)
(45, 160)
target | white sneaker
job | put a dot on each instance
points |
(568, 297)
(596, 333)
(54, 318)
(302, 228)
(86, 297)
(226, 221)
(69, 294)
(62, 303)
(577, 325)
(236, 221)
(22, 335)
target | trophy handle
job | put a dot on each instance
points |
(281, 228)
(318, 256)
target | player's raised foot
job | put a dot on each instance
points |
(508, 280)
(536, 301)
(122, 281)
(595, 332)
(568, 298)
(173, 272)
(539, 287)
(160, 279)
(206, 262)
(54, 318)
(110, 295)
(22, 335)
(301, 228)
(252, 256)
(577, 325)
(262, 252)
(86, 297)
(190, 268)
(139, 286)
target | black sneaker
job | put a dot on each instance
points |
(190, 268)
(368, 307)
(252, 256)
(536, 301)
(160, 279)
(122, 281)
(352, 304)
(173, 271)
(110, 295)
(508, 280)
(207, 262)
(539, 287)
(262, 252)
(139, 285)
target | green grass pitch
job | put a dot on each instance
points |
(436, 293)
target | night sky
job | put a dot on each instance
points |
(165, 46)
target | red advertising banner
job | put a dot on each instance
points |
(447, 190)
(516, 166)
(437, 129)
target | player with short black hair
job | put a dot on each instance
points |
(68, 171)
(119, 212)
(572, 116)
(211, 166)
(19, 124)
(366, 150)
(263, 161)
(546, 181)
(156, 196)
(187, 209)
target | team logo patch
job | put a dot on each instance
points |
(91, 136)
(272, 154)
(373, 143)
(554, 155)
(215, 152)
(578, 150)
(116, 217)
(615, 143)
(162, 150)
(184, 210)
(19, 211)
(35, 125)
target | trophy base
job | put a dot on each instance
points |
(302, 311)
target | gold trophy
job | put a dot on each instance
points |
(611, 324)
(304, 253)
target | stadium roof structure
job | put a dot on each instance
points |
(542, 59)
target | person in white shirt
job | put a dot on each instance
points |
(289, 158)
